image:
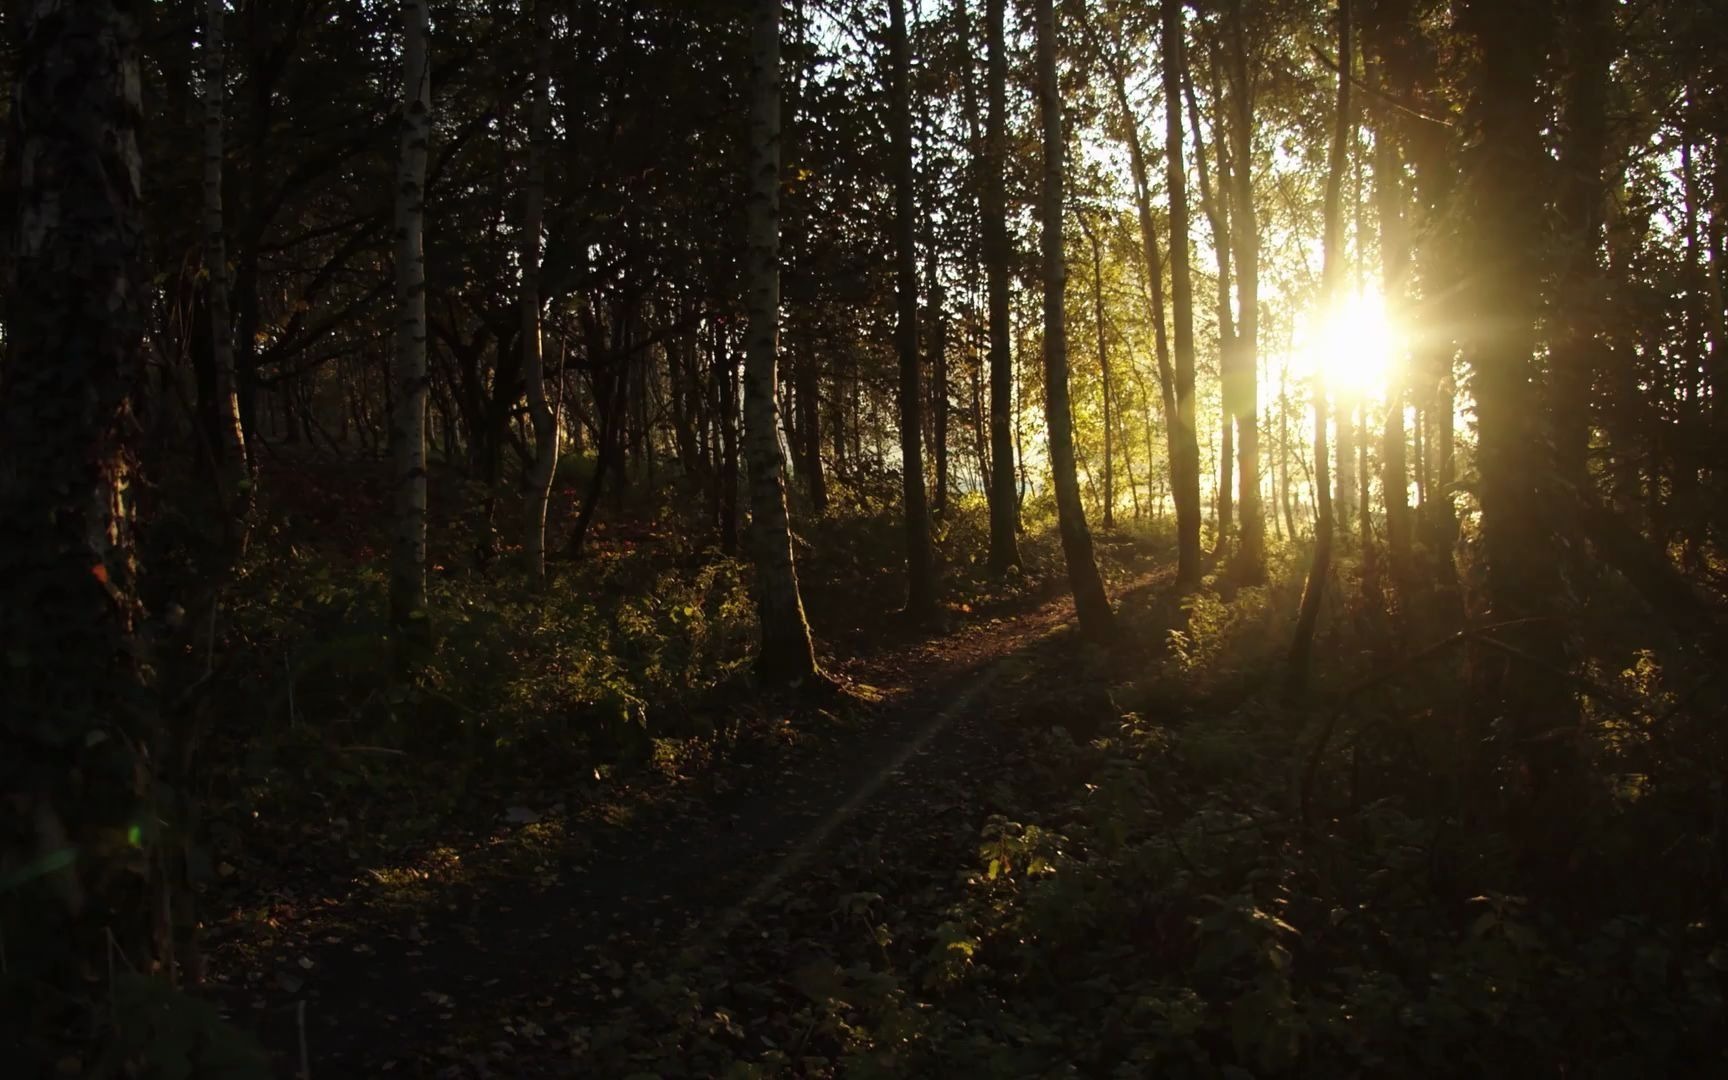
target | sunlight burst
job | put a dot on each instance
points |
(1354, 349)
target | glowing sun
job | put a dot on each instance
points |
(1353, 349)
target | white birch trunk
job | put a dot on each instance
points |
(787, 655)
(540, 413)
(408, 425)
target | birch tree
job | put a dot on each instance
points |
(408, 425)
(540, 413)
(787, 655)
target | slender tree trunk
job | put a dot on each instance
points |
(235, 479)
(787, 655)
(1185, 462)
(1394, 288)
(78, 719)
(1218, 219)
(408, 616)
(938, 374)
(540, 412)
(1332, 276)
(920, 558)
(1153, 263)
(1091, 604)
(1236, 173)
(1109, 493)
(993, 214)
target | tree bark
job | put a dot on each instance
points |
(1508, 176)
(78, 718)
(787, 656)
(938, 345)
(540, 414)
(1185, 446)
(993, 214)
(235, 480)
(1152, 263)
(1109, 493)
(1332, 277)
(920, 558)
(1217, 212)
(1091, 604)
(1237, 175)
(408, 616)
(1394, 287)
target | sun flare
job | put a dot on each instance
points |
(1353, 350)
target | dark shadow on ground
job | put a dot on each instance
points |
(383, 974)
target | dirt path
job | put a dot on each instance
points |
(507, 952)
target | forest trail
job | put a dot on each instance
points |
(362, 988)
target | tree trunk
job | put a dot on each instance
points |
(1109, 493)
(920, 558)
(1218, 219)
(408, 616)
(1152, 262)
(78, 720)
(938, 373)
(1236, 173)
(1394, 288)
(540, 412)
(993, 215)
(235, 480)
(1185, 446)
(787, 656)
(1332, 276)
(1507, 174)
(730, 474)
(1091, 604)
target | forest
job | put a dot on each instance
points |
(855, 538)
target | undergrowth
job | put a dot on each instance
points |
(1217, 885)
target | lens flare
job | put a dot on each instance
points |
(1353, 351)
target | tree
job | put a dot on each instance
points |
(1185, 446)
(786, 656)
(1238, 180)
(1004, 498)
(1331, 287)
(920, 557)
(1217, 213)
(1506, 174)
(77, 716)
(408, 616)
(234, 479)
(540, 412)
(1109, 498)
(1091, 604)
(1152, 265)
(1394, 285)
